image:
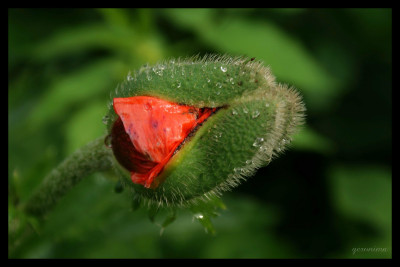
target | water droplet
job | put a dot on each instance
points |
(205, 221)
(263, 149)
(198, 216)
(105, 119)
(223, 69)
(217, 135)
(129, 77)
(159, 70)
(107, 141)
(258, 141)
(255, 114)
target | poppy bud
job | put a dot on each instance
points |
(183, 131)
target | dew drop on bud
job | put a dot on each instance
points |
(198, 216)
(105, 119)
(263, 149)
(107, 141)
(255, 114)
(258, 141)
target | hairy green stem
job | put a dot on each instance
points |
(91, 158)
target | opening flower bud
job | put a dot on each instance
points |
(184, 131)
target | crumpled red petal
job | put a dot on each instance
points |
(148, 131)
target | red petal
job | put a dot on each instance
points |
(155, 128)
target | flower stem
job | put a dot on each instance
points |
(91, 158)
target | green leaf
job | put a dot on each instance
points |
(289, 59)
(85, 125)
(364, 193)
(76, 89)
(82, 39)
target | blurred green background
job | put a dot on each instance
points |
(329, 193)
